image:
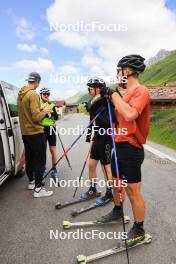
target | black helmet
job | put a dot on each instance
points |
(96, 82)
(135, 62)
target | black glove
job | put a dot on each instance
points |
(107, 91)
(85, 105)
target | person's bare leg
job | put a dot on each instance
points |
(92, 192)
(106, 169)
(116, 194)
(53, 152)
(92, 169)
(113, 184)
(54, 157)
(137, 202)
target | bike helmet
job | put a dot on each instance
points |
(96, 82)
(135, 62)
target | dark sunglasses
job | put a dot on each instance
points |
(46, 94)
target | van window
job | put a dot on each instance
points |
(11, 100)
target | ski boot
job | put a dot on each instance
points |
(114, 215)
(45, 173)
(90, 194)
(135, 235)
(105, 199)
(55, 174)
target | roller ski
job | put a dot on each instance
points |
(68, 224)
(120, 248)
(90, 194)
(85, 209)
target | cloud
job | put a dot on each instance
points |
(32, 48)
(150, 27)
(68, 69)
(40, 65)
(93, 63)
(90, 60)
(24, 29)
(69, 39)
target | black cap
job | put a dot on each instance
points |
(33, 76)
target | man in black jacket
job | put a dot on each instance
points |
(102, 142)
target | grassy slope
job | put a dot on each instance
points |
(163, 127)
(161, 72)
(78, 98)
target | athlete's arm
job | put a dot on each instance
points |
(129, 113)
(37, 114)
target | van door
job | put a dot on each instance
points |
(7, 142)
(17, 147)
(2, 158)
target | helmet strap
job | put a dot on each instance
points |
(95, 91)
(131, 74)
(123, 74)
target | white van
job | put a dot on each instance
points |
(12, 156)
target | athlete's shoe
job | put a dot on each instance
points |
(90, 194)
(31, 185)
(114, 215)
(41, 192)
(55, 174)
(104, 199)
(135, 235)
(45, 173)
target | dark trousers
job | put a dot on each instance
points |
(35, 157)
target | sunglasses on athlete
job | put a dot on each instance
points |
(46, 94)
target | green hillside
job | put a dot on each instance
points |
(162, 72)
(78, 98)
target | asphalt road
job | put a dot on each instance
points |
(25, 222)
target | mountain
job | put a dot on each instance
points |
(162, 54)
(79, 97)
(161, 72)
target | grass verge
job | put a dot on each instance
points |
(163, 127)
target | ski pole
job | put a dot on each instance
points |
(74, 142)
(64, 151)
(83, 168)
(118, 178)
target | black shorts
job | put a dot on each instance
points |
(101, 150)
(50, 138)
(129, 159)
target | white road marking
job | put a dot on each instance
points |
(159, 153)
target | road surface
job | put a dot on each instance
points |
(25, 222)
